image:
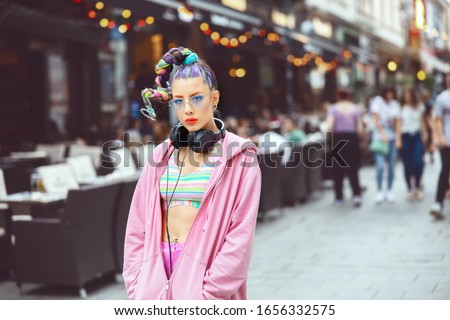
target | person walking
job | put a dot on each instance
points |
(193, 214)
(345, 124)
(413, 128)
(386, 133)
(441, 139)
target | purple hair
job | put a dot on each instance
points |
(189, 66)
(199, 69)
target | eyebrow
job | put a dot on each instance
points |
(194, 94)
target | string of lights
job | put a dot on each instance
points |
(123, 23)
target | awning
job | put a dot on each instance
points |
(32, 21)
(431, 62)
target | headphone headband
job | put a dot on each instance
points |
(198, 141)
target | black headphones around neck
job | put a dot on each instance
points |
(198, 141)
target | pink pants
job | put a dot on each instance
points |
(176, 249)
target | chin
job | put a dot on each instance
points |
(192, 127)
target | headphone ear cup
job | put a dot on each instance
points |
(179, 136)
(201, 141)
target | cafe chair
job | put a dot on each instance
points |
(55, 152)
(57, 178)
(120, 220)
(271, 188)
(6, 252)
(294, 178)
(83, 169)
(123, 162)
(72, 250)
(315, 162)
(95, 152)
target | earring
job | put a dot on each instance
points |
(215, 107)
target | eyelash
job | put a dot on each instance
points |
(194, 98)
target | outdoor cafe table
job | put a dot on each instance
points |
(41, 204)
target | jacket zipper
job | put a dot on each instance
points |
(167, 289)
(189, 235)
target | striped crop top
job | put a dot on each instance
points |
(190, 188)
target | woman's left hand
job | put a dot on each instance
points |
(398, 143)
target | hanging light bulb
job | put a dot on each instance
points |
(184, 14)
(123, 28)
(126, 13)
(240, 73)
(104, 23)
(392, 66)
(204, 26)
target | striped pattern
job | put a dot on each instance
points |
(190, 188)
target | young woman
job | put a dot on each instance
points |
(386, 114)
(441, 139)
(344, 121)
(193, 214)
(414, 132)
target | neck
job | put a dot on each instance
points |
(211, 125)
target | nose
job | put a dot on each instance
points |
(188, 108)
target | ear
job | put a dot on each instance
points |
(215, 97)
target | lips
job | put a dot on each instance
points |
(191, 121)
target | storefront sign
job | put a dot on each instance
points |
(322, 28)
(283, 20)
(240, 5)
(226, 22)
(419, 14)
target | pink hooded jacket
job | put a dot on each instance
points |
(215, 260)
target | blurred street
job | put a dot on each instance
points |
(319, 251)
(321, 87)
(388, 251)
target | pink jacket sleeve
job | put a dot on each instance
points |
(135, 234)
(229, 269)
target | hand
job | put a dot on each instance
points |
(384, 138)
(443, 142)
(432, 148)
(398, 143)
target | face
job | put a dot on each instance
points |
(288, 125)
(193, 103)
(408, 96)
(389, 95)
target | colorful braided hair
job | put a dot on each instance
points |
(189, 66)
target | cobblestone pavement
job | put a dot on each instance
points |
(320, 251)
(387, 251)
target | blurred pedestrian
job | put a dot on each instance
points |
(428, 118)
(413, 134)
(386, 133)
(232, 124)
(292, 133)
(442, 139)
(134, 131)
(271, 142)
(344, 123)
